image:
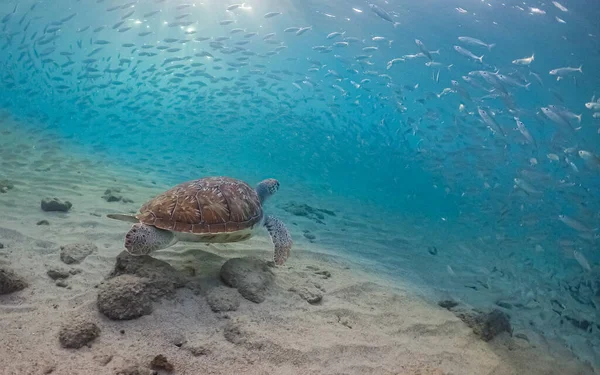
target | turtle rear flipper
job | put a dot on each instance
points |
(123, 217)
(282, 241)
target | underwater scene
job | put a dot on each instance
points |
(299, 187)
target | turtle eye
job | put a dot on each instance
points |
(274, 187)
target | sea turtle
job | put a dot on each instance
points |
(211, 209)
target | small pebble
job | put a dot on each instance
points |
(61, 283)
(197, 351)
(76, 334)
(324, 274)
(55, 204)
(448, 304)
(103, 359)
(522, 336)
(55, 274)
(160, 362)
(10, 282)
(310, 236)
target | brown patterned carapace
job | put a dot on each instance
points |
(207, 205)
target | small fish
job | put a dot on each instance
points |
(393, 61)
(561, 72)
(526, 186)
(234, 6)
(150, 14)
(559, 20)
(271, 14)
(335, 34)
(450, 270)
(127, 15)
(423, 49)
(511, 81)
(537, 77)
(68, 18)
(353, 39)
(560, 6)
(557, 118)
(383, 14)
(490, 121)
(591, 160)
(467, 53)
(574, 224)
(303, 30)
(594, 106)
(533, 10)
(95, 51)
(581, 260)
(565, 113)
(524, 61)
(553, 157)
(525, 132)
(475, 42)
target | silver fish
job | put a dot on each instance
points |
(562, 72)
(574, 224)
(467, 53)
(383, 14)
(303, 30)
(524, 60)
(335, 34)
(525, 132)
(423, 49)
(271, 14)
(526, 186)
(581, 260)
(490, 121)
(476, 42)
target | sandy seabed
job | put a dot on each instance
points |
(321, 313)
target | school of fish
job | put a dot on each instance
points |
(377, 98)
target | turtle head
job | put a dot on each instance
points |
(266, 188)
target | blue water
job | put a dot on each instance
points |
(151, 84)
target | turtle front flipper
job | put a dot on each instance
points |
(143, 239)
(282, 241)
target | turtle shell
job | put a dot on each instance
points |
(207, 205)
